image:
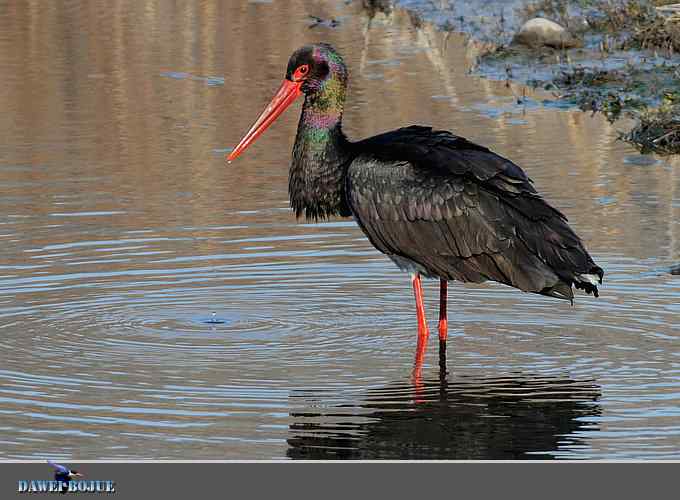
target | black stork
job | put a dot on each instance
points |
(435, 203)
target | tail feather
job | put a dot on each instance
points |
(586, 281)
(561, 290)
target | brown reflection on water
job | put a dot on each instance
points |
(123, 230)
(84, 90)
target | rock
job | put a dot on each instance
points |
(675, 270)
(538, 32)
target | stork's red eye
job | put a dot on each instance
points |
(301, 72)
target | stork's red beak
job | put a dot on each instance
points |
(281, 100)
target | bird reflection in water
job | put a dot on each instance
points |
(511, 417)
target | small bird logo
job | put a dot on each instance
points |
(63, 474)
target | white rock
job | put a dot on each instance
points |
(538, 32)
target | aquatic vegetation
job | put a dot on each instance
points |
(617, 16)
(661, 33)
(657, 130)
(652, 97)
(635, 24)
(627, 65)
(613, 92)
(647, 91)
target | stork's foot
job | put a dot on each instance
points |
(443, 320)
(443, 325)
(423, 332)
(443, 330)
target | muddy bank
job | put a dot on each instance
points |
(623, 62)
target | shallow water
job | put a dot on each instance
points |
(157, 303)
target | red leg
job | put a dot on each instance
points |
(443, 320)
(423, 332)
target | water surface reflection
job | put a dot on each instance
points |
(519, 416)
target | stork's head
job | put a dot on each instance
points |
(318, 72)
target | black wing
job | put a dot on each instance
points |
(459, 211)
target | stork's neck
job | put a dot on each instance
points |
(320, 156)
